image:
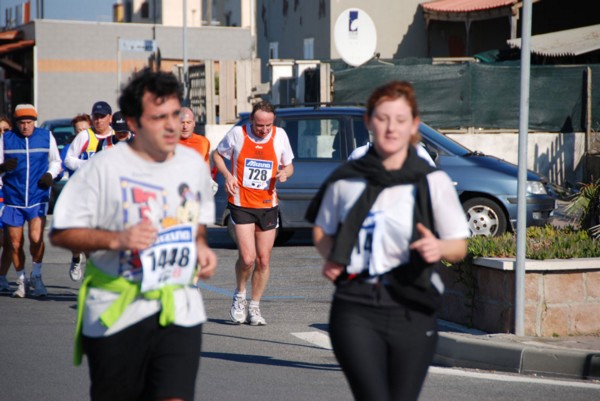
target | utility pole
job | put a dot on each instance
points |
(185, 57)
(522, 171)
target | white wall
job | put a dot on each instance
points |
(559, 157)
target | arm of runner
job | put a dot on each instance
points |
(433, 249)
(54, 160)
(231, 184)
(207, 259)
(323, 243)
(137, 237)
(72, 160)
(285, 173)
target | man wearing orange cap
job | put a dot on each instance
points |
(29, 162)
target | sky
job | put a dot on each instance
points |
(82, 10)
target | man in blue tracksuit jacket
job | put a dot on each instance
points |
(29, 162)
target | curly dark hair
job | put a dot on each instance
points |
(161, 84)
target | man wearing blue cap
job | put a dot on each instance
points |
(86, 142)
(84, 146)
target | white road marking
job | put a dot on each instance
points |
(314, 337)
(322, 340)
(511, 378)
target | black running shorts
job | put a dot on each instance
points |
(266, 219)
(144, 362)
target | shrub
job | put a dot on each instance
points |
(585, 206)
(546, 242)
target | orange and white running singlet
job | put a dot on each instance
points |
(255, 168)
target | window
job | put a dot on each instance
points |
(145, 10)
(314, 138)
(273, 50)
(361, 134)
(309, 49)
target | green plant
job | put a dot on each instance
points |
(585, 206)
(545, 242)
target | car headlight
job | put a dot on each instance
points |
(536, 188)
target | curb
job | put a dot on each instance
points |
(464, 351)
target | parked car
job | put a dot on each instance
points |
(323, 137)
(61, 129)
(63, 133)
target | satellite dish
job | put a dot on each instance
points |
(355, 36)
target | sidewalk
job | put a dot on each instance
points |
(574, 357)
(568, 357)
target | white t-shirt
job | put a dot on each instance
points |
(72, 160)
(385, 235)
(233, 141)
(115, 190)
(421, 152)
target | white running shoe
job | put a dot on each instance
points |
(75, 270)
(39, 289)
(238, 311)
(22, 288)
(255, 318)
(4, 286)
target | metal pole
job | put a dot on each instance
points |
(185, 57)
(522, 172)
(118, 65)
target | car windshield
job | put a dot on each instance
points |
(441, 143)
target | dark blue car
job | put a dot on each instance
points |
(323, 137)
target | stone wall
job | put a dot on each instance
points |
(561, 297)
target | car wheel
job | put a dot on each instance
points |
(485, 217)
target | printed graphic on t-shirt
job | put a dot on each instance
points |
(257, 173)
(168, 259)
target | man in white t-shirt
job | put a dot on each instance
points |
(139, 315)
(260, 155)
(85, 144)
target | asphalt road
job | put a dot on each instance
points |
(289, 359)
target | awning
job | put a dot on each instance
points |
(11, 35)
(572, 42)
(465, 6)
(16, 46)
(469, 10)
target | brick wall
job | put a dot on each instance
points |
(557, 302)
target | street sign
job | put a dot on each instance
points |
(134, 45)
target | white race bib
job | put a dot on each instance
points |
(172, 259)
(257, 173)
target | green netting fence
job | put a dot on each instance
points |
(455, 96)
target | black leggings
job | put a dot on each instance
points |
(384, 352)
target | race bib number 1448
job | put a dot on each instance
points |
(171, 259)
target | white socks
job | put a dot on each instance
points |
(37, 269)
